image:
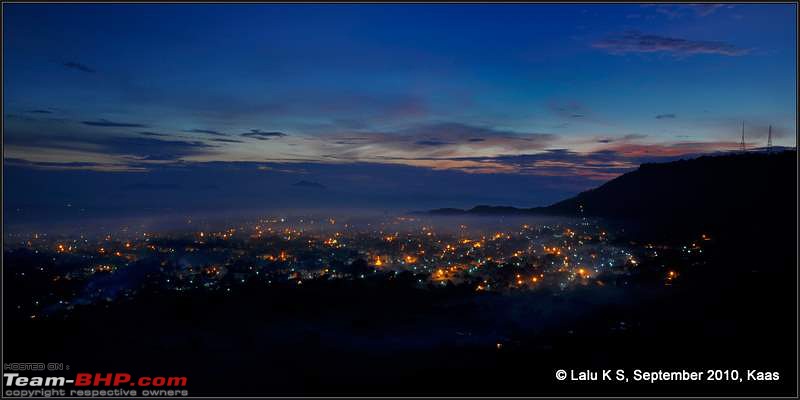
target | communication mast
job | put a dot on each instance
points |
(769, 139)
(742, 145)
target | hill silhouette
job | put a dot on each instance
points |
(753, 190)
(309, 184)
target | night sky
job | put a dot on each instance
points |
(396, 106)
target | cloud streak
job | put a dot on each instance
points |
(258, 134)
(111, 124)
(78, 66)
(636, 42)
(626, 138)
(569, 109)
(426, 142)
(206, 131)
(431, 143)
(703, 10)
(124, 149)
(221, 140)
(70, 165)
(673, 11)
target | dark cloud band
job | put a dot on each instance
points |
(636, 42)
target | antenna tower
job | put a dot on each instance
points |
(769, 139)
(742, 145)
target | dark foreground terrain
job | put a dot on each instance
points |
(386, 336)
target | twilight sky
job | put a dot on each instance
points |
(518, 104)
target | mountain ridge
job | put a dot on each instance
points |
(707, 192)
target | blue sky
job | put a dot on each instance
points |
(575, 93)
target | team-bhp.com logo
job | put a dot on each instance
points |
(96, 380)
(94, 385)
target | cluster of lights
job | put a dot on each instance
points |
(467, 257)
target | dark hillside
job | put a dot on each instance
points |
(752, 192)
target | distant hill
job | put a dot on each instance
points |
(755, 189)
(309, 184)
